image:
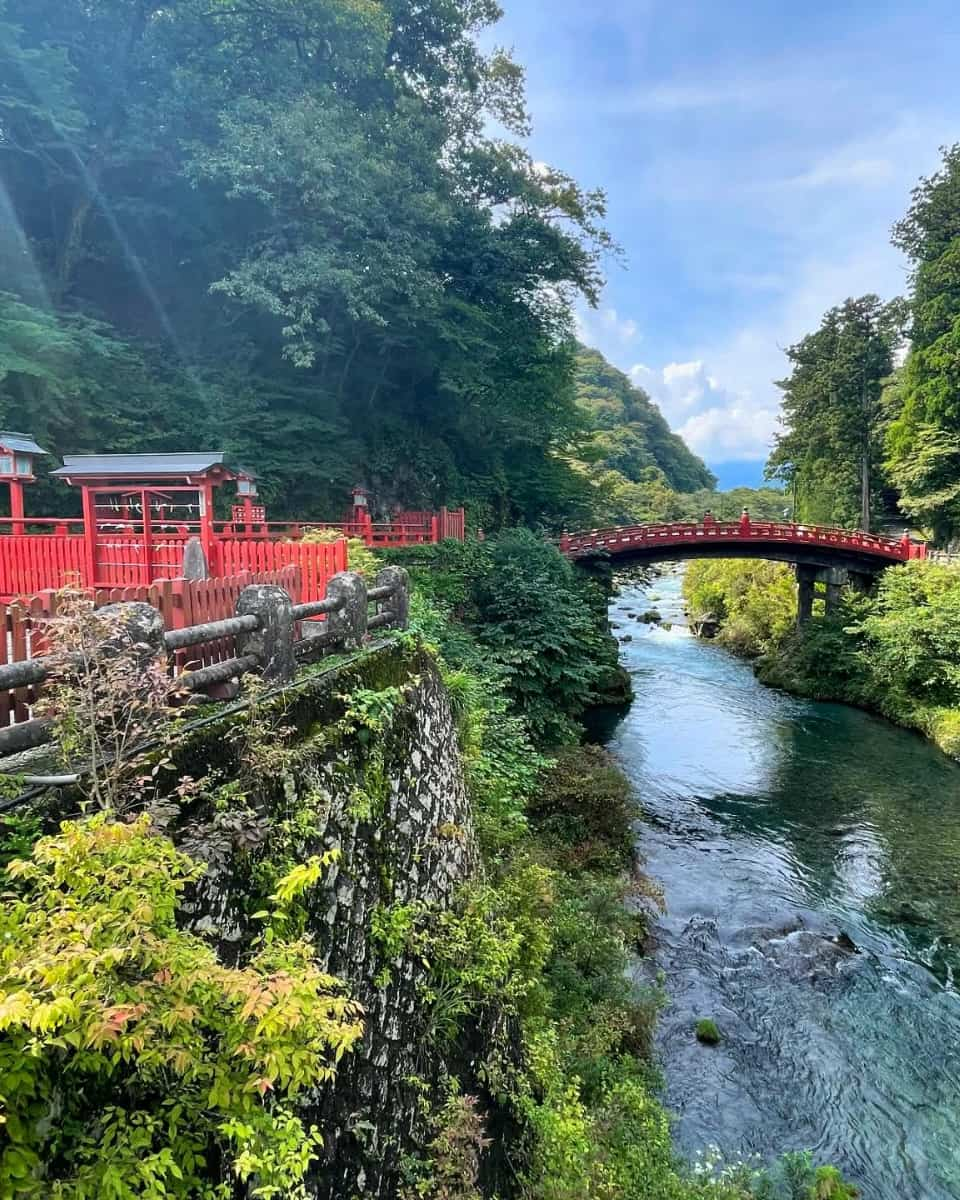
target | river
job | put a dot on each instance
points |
(774, 825)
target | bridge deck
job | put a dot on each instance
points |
(649, 539)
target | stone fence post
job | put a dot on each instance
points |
(136, 629)
(397, 605)
(272, 641)
(348, 626)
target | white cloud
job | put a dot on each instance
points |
(869, 172)
(606, 330)
(716, 422)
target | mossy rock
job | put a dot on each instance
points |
(708, 1033)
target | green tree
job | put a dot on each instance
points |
(921, 443)
(830, 450)
(296, 226)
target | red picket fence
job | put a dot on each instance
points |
(34, 562)
(316, 561)
(181, 603)
(127, 553)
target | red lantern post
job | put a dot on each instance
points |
(361, 512)
(17, 452)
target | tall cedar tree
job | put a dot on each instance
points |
(830, 450)
(923, 443)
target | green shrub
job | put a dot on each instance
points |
(360, 558)
(171, 1075)
(754, 601)
(538, 626)
(585, 811)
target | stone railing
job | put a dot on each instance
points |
(946, 558)
(271, 634)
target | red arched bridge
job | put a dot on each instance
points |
(807, 545)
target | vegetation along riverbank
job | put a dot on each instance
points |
(894, 652)
(546, 1087)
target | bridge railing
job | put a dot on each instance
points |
(687, 532)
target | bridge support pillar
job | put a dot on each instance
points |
(806, 583)
(861, 582)
(834, 578)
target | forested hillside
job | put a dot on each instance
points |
(638, 470)
(285, 229)
(631, 433)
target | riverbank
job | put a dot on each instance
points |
(563, 872)
(781, 832)
(426, 819)
(893, 653)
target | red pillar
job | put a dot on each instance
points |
(90, 538)
(146, 568)
(16, 506)
(207, 535)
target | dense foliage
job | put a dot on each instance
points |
(895, 651)
(540, 623)
(923, 441)
(831, 449)
(753, 602)
(132, 1062)
(289, 229)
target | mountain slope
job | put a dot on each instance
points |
(631, 435)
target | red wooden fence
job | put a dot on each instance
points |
(34, 562)
(47, 562)
(180, 602)
(316, 561)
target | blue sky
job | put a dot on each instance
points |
(755, 154)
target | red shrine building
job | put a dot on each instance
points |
(141, 512)
(17, 452)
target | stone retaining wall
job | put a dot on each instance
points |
(416, 845)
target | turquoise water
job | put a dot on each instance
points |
(776, 825)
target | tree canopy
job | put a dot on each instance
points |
(830, 450)
(288, 229)
(923, 443)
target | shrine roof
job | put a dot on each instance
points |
(19, 441)
(143, 466)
